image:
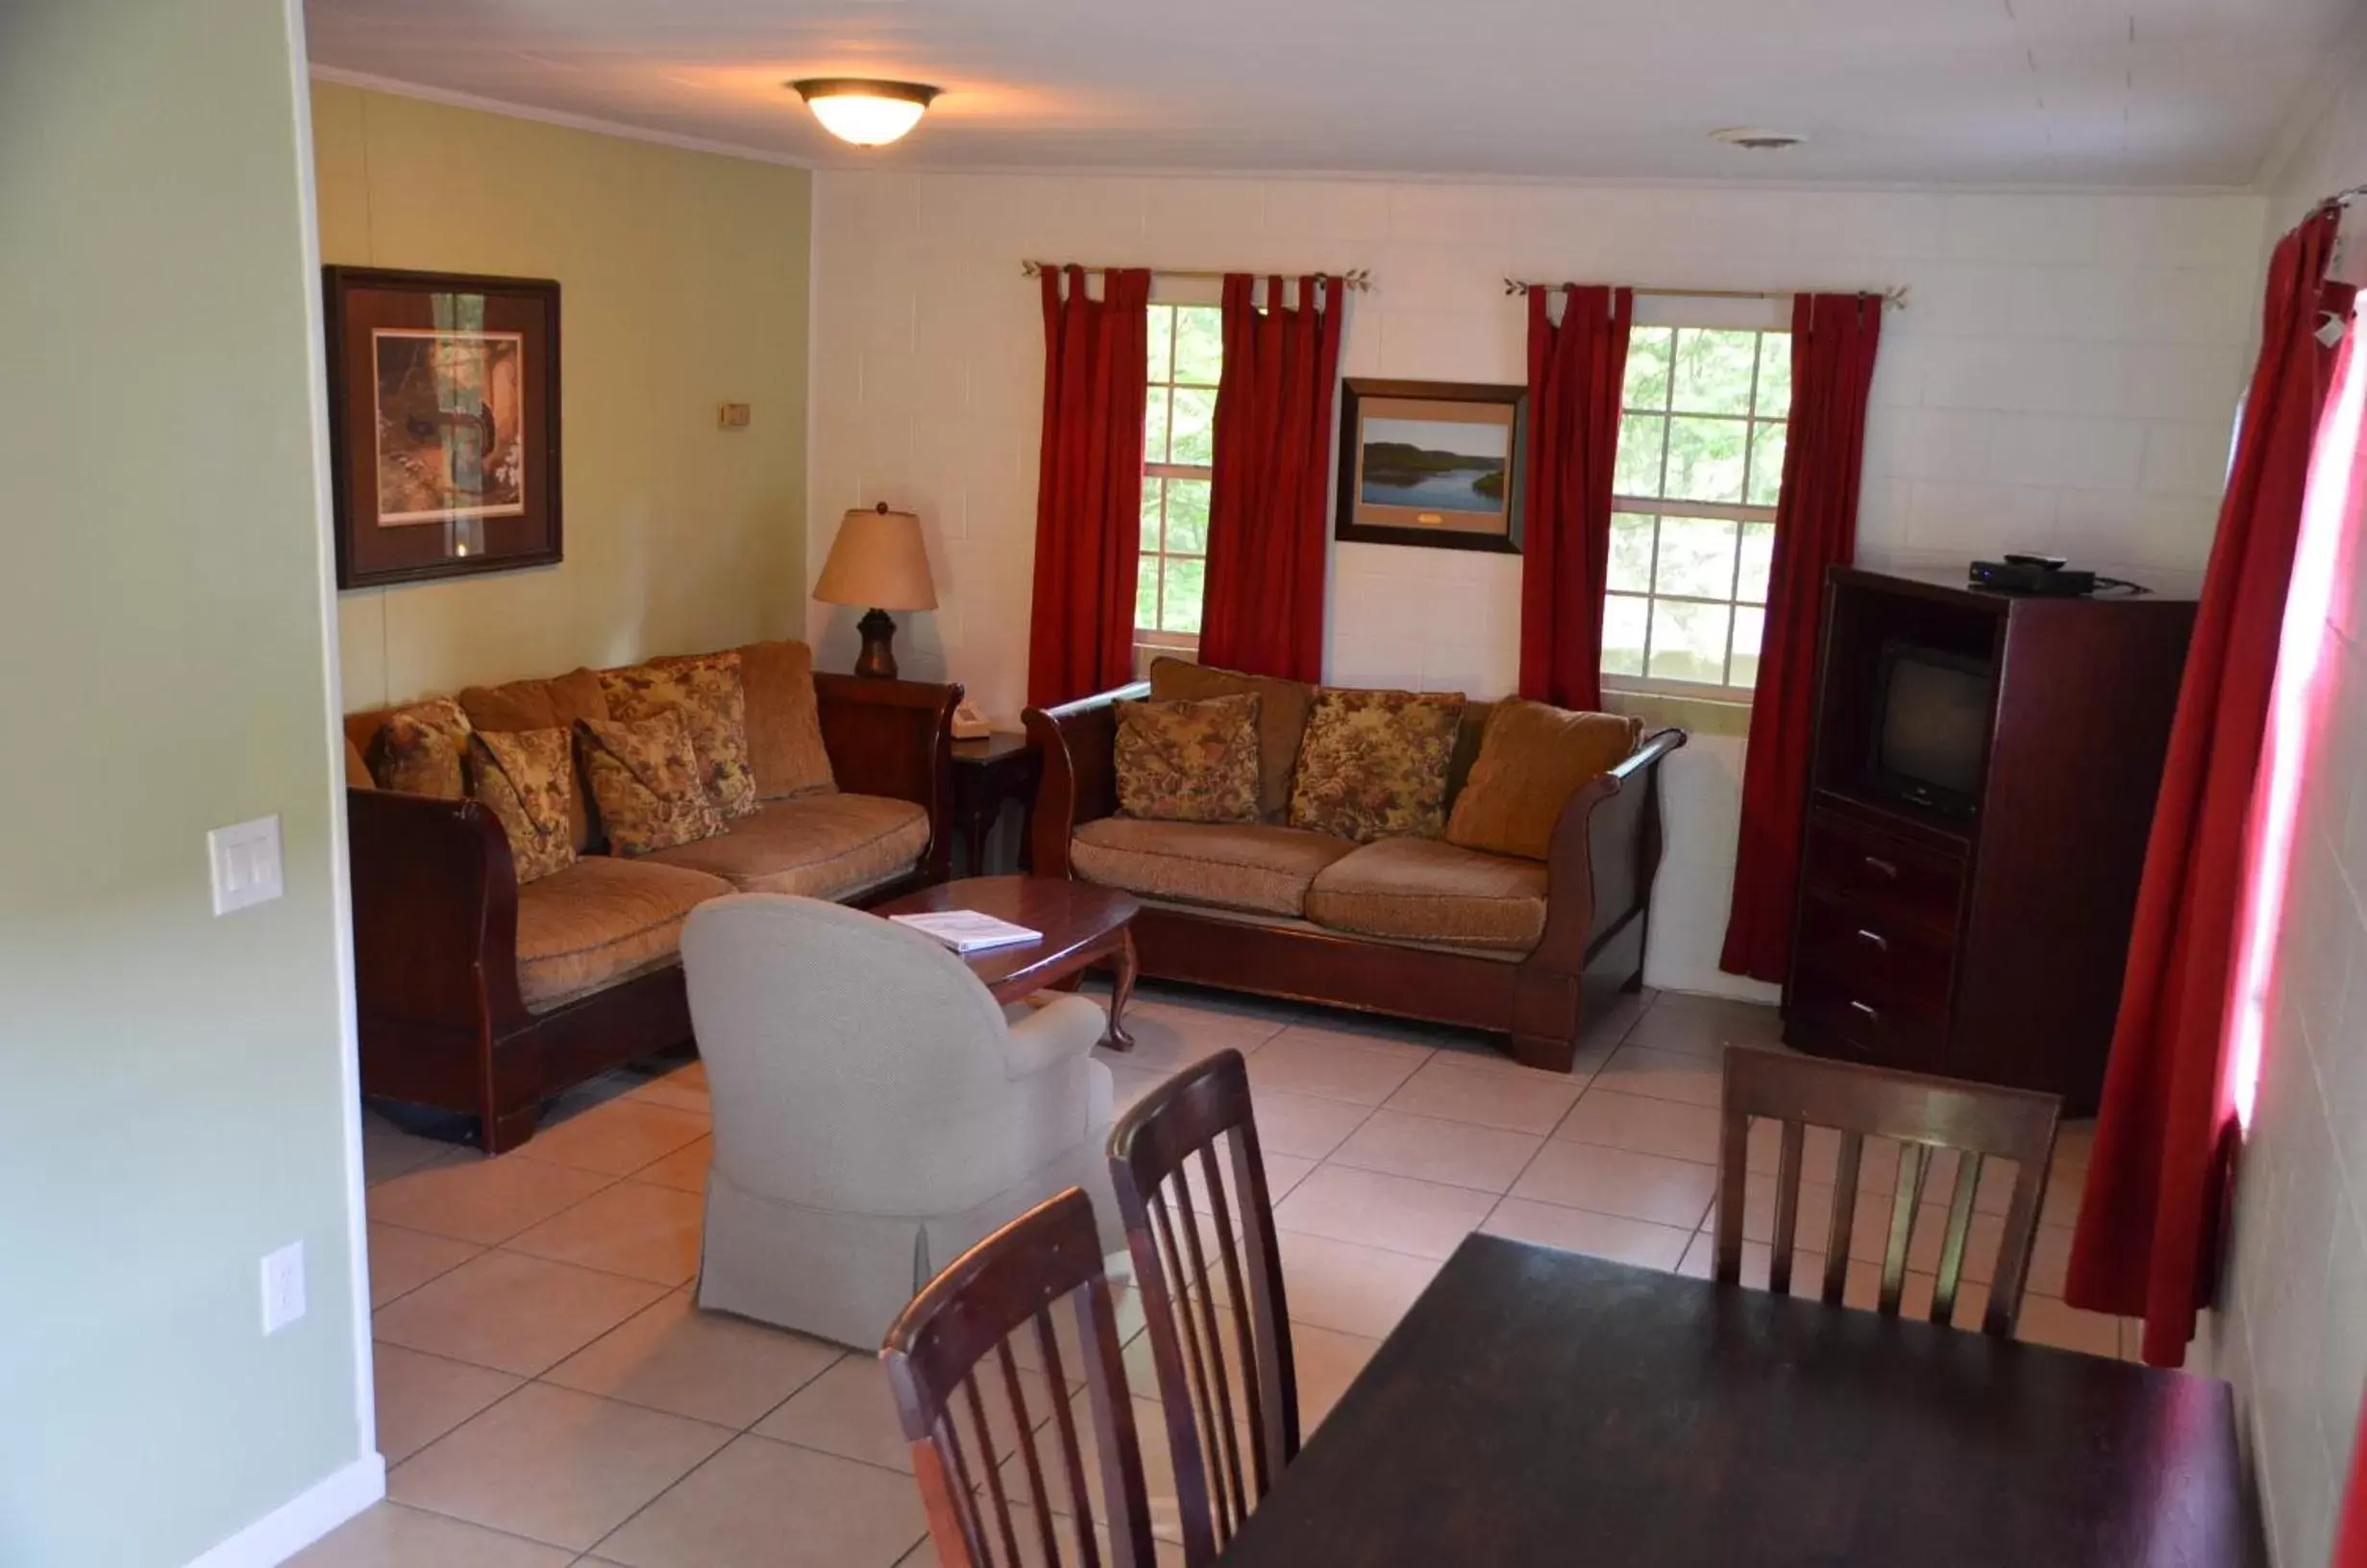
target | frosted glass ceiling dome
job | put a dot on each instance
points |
(865, 113)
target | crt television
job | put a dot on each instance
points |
(1930, 735)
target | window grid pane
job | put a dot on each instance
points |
(1184, 361)
(1161, 343)
(1155, 426)
(1688, 571)
(1626, 623)
(1749, 434)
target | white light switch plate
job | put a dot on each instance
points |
(246, 864)
(283, 1288)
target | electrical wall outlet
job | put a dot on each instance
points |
(246, 864)
(732, 416)
(283, 1288)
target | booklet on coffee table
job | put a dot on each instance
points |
(967, 931)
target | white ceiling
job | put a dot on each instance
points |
(1971, 92)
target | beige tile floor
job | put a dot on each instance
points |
(547, 1395)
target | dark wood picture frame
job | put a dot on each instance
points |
(1346, 523)
(522, 526)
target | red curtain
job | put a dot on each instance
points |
(1264, 610)
(1575, 372)
(1834, 338)
(2350, 1546)
(1089, 486)
(2148, 1225)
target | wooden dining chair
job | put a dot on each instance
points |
(1153, 1151)
(1006, 1284)
(1924, 1114)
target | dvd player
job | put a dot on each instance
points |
(2041, 574)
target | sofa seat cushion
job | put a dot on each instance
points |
(602, 920)
(814, 845)
(1229, 864)
(1425, 889)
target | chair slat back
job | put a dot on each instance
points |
(1923, 1114)
(961, 1326)
(1219, 1327)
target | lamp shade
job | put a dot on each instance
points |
(878, 561)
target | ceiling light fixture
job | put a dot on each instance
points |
(865, 113)
(1756, 139)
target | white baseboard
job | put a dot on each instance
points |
(303, 1519)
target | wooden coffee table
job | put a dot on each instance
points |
(1084, 927)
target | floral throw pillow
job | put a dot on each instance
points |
(1372, 765)
(643, 775)
(707, 690)
(419, 749)
(1189, 762)
(527, 778)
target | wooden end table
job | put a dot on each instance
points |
(1084, 927)
(988, 771)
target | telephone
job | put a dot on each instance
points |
(968, 724)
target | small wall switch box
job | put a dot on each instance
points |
(732, 416)
(245, 860)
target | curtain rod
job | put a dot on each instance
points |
(1358, 279)
(1896, 298)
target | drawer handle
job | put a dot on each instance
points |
(1882, 867)
(1865, 1012)
(1874, 940)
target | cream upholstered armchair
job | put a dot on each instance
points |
(876, 1111)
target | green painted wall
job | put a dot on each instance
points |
(175, 1104)
(684, 284)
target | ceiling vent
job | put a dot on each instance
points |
(1758, 139)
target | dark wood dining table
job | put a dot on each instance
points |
(1538, 1406)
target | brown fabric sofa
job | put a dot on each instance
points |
(479, 995)
(1417, 927)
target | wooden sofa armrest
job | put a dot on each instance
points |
(1079, 742)
(1606, 850)
(895, 738)
(435, 912)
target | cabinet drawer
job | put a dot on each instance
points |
(1891, 1034)
(1881, 959)
(1893, 877)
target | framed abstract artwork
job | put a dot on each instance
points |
(1434, 463)
(443, 424)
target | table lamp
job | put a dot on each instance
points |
(878, 561)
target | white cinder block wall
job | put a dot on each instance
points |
(2063, 379)
(2295, 1340)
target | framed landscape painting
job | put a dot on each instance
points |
(1435, 463)
(443, 423)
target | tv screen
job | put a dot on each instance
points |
(1932, 729)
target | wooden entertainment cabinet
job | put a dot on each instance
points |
(1984, 942)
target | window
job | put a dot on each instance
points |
(1692, 526)
(1187, 350)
